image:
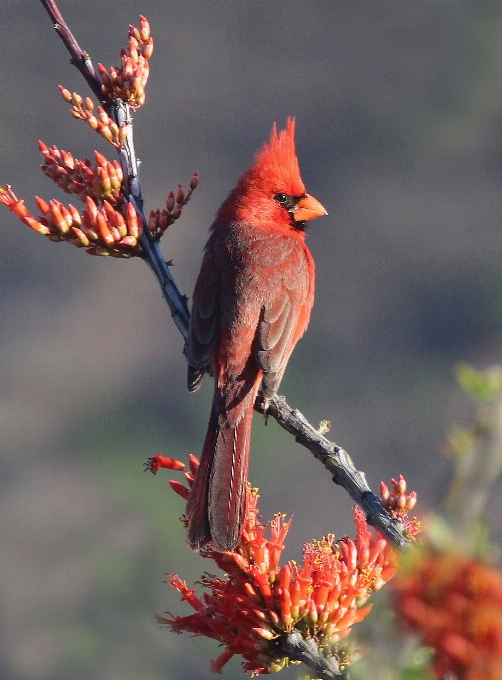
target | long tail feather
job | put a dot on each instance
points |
(217, 502)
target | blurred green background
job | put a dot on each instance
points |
(399, 134)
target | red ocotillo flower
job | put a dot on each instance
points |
(258, 604)
(455, 604)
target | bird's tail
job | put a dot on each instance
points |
(216, 505)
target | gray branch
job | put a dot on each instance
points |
(338, 462)
(298, 648)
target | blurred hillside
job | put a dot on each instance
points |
(399, 134)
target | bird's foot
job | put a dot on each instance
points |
(265, 402)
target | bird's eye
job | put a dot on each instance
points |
(281, 198)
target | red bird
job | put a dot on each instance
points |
(251, 305)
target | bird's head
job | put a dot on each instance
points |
(271, 192)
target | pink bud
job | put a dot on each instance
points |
(399, 485)
(148, 49)
(103, 116)
(384, 491)
(180, 195)
(76, 219)
(81, 239)
(133, 31)
(412, 500)
(153, 220)
(56, 216)
(100, 159)
(179, 488)
(132, 221)
(170, 202)
(68, 159)
(144, 28)
(133, 49)
(91, 208)
(165, 220)
(92, 122)
(128, 68)
(105, 132)
(42, 205)
(66, 94)
(115, 218)
(114, 232)
(129, 241)
(140, 101)
(105, 78)
(194, 180)
(110, 213)
(103, 229)
(265, 633)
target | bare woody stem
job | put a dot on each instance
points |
(298, 648)
(338, 462)
(152, 253)
(78, 57)
(333, 457)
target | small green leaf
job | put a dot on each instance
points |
(483, 386)
(324, 427)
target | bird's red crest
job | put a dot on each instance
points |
(276, 163)
(274, 171)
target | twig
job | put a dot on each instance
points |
(298, 648)
(152, 253)
(334, 458)
(78, 57)
(338, 462)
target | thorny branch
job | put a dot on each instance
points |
(338, 462)
(333, 457)
(79, 58)
(305, 650)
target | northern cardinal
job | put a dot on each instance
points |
(251, 305)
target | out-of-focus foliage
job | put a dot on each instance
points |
(483, 386)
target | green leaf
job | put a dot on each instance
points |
(483, 386)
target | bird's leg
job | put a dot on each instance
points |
(264, 404)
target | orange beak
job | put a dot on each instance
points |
(308, 208)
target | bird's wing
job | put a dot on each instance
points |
(204, 322)
(282, 323)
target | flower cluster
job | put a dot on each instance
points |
(399, 504)
(108, 226)
(112, 223)
(103, 181)
(159, 220)
(455, 603)
(83, 109)
(102, 230)
(127, 82)
(258, 602)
